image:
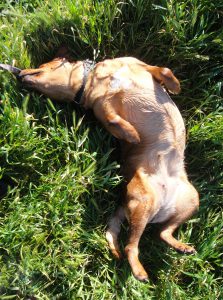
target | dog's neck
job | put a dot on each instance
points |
(88, 67)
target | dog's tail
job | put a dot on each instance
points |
(114, 227)
(165, 76)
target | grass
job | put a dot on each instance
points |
(63, 167)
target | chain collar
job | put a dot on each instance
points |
(88, 67)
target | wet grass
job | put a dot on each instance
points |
(63, 170)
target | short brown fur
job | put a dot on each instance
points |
(128, 98)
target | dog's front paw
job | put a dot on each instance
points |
(185, 249)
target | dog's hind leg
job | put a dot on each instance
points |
(138, 215)
(139, 209)
(114, 227)
(186, 205)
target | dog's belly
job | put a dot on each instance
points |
(166, 192)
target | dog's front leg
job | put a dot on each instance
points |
(106, 112)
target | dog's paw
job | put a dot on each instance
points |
(185, 249)
(117, 254)
(141, 276)
(123, 130)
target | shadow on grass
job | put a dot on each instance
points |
(44, 41)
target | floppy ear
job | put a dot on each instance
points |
(165, 76)
(169, 80)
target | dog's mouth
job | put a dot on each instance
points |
(27, 78)
(23, 75)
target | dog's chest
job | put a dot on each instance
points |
(120, 81)
(124, 80)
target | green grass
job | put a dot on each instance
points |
(64, 167)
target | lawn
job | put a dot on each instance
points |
(63, 168)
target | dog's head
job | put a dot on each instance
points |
(59, 79)
(62, 78)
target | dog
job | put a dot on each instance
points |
(130, 99)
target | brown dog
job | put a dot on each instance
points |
(127, 96)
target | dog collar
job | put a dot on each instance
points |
(88, 67)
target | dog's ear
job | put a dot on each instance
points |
(63, 52)
(169, 80)
(165, 76)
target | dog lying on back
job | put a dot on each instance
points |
(128, 98)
